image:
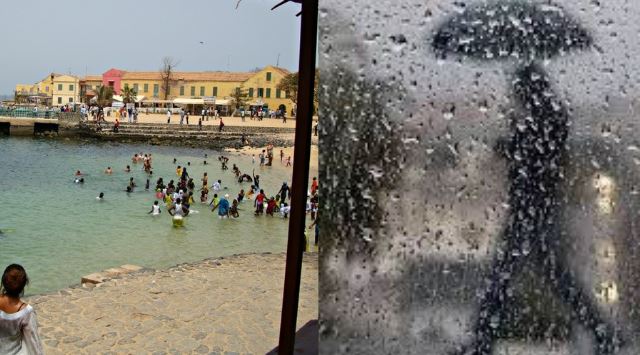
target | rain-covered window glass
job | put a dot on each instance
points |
(480, 163)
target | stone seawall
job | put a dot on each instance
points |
(191, 136)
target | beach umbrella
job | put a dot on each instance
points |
(523, 34)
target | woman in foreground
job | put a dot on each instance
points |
(18, 324)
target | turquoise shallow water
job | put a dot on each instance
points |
(59, 232)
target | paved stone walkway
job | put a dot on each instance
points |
(218, 306)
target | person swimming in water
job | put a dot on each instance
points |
(245, 177)
(108, 170)
(78, 173)
(100, 197)
(132, 184)
(127, 169)
(155, 209)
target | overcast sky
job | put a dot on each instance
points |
(43, 36)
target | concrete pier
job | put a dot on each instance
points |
(26, 126)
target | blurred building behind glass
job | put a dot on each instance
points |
(416, 170)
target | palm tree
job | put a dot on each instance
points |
(129, 95)
(240, 96)
(104, 96)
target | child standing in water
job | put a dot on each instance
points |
(233, 210)
(155, 209)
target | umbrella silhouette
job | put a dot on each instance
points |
(524, 33)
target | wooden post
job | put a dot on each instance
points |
(302, 149)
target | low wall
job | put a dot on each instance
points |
(66, 124)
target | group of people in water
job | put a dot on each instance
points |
(179, 195)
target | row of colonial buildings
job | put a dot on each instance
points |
(185, 88)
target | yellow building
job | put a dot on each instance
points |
(39, 93)
(184, 84)
(55, 89)
(66, 90)
(260, 87)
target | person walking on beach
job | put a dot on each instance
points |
(221, 125)
(18, 323)
(289, 161)
(168, 116)
(281, 155)
(181, 116)
(187, 117)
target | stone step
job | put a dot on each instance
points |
(94, 278)
(173, 136)
(179, 132)
(100, 277)
(195, 127)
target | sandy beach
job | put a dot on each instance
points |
(193, 120)
(288, 151)
(219, 305)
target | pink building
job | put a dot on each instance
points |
(113, 77)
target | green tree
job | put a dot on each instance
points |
(104, 96)
(240, 96)
(129, 95)
(289, 84)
